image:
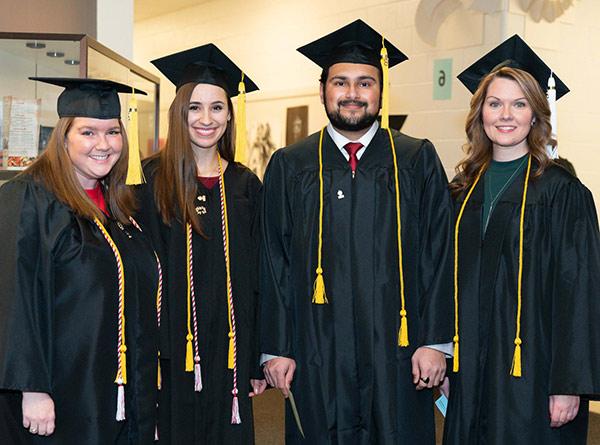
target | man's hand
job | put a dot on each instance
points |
(258, 387)
(563, 409)
(279, 373)
(38, 413)
(428, 367)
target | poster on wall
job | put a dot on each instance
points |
(261, 147)
(296, 127)
(22, 117)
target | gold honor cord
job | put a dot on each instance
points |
(455, 361)
(403, 332)
(319, 295)
(121, 378)
(516, 368)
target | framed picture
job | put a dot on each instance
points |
(296, 127)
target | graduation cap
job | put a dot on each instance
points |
(99, 99)
(513, 53)
(204, 64)
(208, 64)
(356, 42)
(95, 98)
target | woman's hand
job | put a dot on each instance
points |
(258, 387)
(563, 409)
(38, 413)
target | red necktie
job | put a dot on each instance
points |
(352, 148)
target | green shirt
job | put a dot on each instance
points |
(498, 177)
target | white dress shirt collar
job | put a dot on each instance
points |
(340, 140)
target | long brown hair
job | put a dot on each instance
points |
(479, 147)
(55, 170)
(176, 186)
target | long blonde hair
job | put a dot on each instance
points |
(55, 170)
(479, 147)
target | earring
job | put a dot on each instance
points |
(533, 122)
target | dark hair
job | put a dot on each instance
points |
(176, 184)
(55, 170)
(479, 147)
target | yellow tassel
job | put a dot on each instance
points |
(123, 361)
(158, 375)
(134, 168)
(240, 124)
(403, 334)
(319, 296)
(385, 95)
(515, 370)
(189, 354)
(455, 360)
(231, 349)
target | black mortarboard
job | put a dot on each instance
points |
(204, 64)
(356, 42)
(95, 98)
(514, 53)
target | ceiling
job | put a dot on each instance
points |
(147, 9)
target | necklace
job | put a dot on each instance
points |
(493, 199)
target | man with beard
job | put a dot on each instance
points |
(355, 271)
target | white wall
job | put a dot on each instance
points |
(114, 24)
(262, 35)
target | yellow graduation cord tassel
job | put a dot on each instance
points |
(135, 175)
(403, 332)
(225, 226)
(189, 351)
(455, 361)
(240, 124)
(385, 95)
(515, 370)
(319, 294)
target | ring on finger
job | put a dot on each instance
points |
(425, 380)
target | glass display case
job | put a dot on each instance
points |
(28, 108)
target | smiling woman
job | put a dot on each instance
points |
(201, 205)
(94, 146)
(79, 339)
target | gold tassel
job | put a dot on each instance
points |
(319, 295)
(158, 374)
(403, 334)
(385, 94)
(231, 349)
(189, 354)
(240, 124)
(135, 175)
(455, 359)
(515, 370)
(123, 363)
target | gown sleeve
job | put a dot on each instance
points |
(575, 361)
(435, 243)
(26, 293)
(276, 229)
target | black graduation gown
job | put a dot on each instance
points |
(560, 312)
(353, 383)
(186, 416)
(58, 321)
